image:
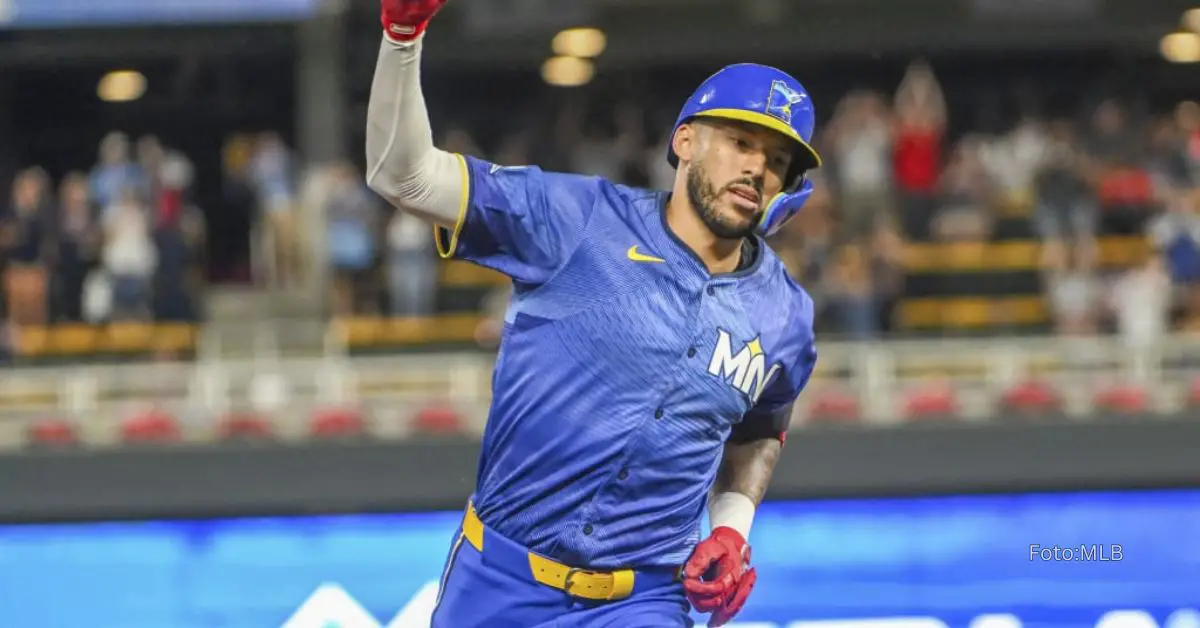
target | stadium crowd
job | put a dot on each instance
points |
(125, 241)
(895, 176)
(119, 243)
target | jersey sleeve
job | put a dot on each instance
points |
(771, 414)
(520, 221)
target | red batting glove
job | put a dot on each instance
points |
(718, 577)
(405, 20)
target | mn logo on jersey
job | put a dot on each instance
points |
(781, 101)
(746, 371)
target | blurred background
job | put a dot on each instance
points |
(207, 319)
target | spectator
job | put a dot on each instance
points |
(1141, 303)
(77, 246)
(150, 157)
(596, 153)
(459, 140)
(115, 172)
(808, 243)
(411, 266)
(273, 177)
(1187, 117)
(860, 136)
(231, 256)
(129, 256)
(965, 211)
(1176, 237)
(630, 145)
(178, 231)
(1168, 160)
(1175, 234)
(1111, 143)
(887, 271)
(352, 217)
(917, 150)
(1124, 188)
(660, 172)
(1065, 208)
(1014, 159)
(1073, 295)
(850, 293)
(514, 150)
(25, 233)
(490, 328)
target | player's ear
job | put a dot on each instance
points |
(686, 141)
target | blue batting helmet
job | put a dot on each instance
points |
(771, 98)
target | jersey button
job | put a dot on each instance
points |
(624, 474)
(692, 352)
(658, 414)
(587, 530)
(711, 291)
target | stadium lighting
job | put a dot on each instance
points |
(568, 71)
(1181, 47)
(579, 42)
(121, 86)
(1191, 19)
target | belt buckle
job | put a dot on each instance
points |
(570, 579)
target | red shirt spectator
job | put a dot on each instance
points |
(917, 159)
(921, 122)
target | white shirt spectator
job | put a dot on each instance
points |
(1014, 159)
(863, 158)
(1141, 300)
(128, 247)
(1074, 294)
(407, 233)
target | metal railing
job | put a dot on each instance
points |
(878, 374)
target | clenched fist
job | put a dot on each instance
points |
(405, 20)
(718, 577)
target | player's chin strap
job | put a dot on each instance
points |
(782, 208)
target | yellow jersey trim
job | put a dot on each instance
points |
(447, 239)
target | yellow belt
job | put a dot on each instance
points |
(580, 583)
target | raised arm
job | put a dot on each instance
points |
(403, 166)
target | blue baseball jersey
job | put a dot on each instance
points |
(624, 368)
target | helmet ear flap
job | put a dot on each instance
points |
(783, 208)
(796, 180)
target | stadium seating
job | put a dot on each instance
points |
(338, 423)
(150, 427)
(1192, 396)
(1031, 398)
(1122, 399)
(242, 426)
(931, 403)
(52, 433)
(990, 286)
(438, 420)
(833, 405)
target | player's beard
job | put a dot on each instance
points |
(703, 197)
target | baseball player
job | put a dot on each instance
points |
(651, 352)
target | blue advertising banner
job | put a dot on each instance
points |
(86, 13)
(1110, 560)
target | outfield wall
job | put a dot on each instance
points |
(422, 475)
